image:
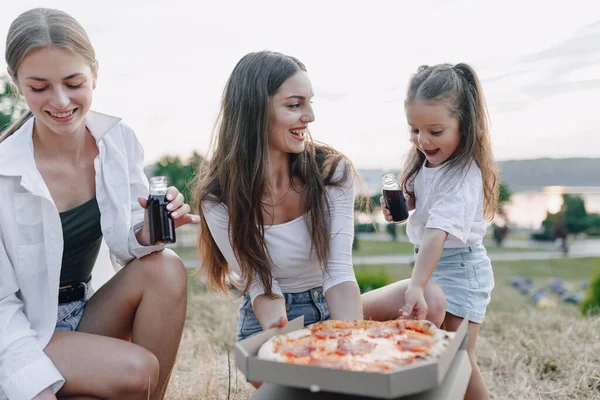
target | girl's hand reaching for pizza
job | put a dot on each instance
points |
(415, 305)
(280, 323)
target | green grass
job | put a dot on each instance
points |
(187, 253)
(524, 352)
(504, 296)
(366, 248)
(565, 268)
(379, 248)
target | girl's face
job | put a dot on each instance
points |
(57, 86)
(433, 130)
(291, 112)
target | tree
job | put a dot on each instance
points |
(12, 106)
(179, 174)
(576, 215)
(501, 230)
(392, 230)
(360, 203)
(504, 195)
(572, 217)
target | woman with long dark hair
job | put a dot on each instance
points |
(277, 208)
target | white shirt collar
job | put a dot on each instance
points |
(16, 152)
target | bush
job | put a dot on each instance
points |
(591, 305)
(593, 232)
(369, 279)
(594, 225)
(542, 236)
(364, 228)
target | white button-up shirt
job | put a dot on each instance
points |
(31, 245)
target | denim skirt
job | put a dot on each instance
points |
(310, 303)
(69, 314)
(467, 279)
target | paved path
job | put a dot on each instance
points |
(579, 249)
(499, 256)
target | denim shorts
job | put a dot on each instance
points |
(466, 277)
(69, 314)
(311, 304)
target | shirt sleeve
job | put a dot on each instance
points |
(341, 202)
(139, 187)
(25, 370)
(217, 219)
(257, 288)
(453, 210)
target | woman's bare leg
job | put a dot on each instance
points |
(384, 304)
(477, 389)
(102, 367)
(145, 302)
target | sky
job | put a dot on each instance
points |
(163, 65)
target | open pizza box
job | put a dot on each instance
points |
(413, 378)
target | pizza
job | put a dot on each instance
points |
(370, 346)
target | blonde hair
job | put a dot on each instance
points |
(38, 28)
(459, 86)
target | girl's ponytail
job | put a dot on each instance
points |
(474, 117)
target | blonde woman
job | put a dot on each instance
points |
(69, 178)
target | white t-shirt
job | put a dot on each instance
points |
(297, 268)
(451, 201)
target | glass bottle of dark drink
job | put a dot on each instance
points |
(162, 226)
(394, 198)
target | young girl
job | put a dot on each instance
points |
(69, 178)
(451, 182)
(277, 208)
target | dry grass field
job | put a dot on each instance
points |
(524, 352)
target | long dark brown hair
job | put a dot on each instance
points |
(460, 88)
(236, 175)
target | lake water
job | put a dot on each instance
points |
(528, 208)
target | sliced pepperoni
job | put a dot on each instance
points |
(329, 333)
(296, 350)
(384, 332)
(354, 347)
(415, 344)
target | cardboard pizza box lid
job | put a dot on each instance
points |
(453, 387)
(413, 378)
